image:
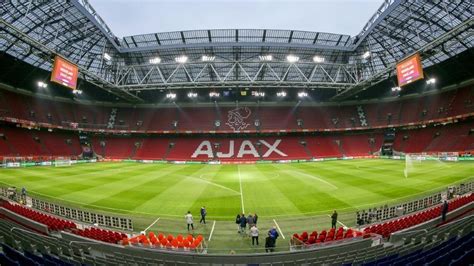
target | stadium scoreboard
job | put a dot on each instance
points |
(64, 73)
(409, 70)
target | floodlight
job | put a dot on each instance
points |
(77, 92)
(214, 94)
(267, 57)
(155, 60)
(208, 58)
(431, 81)
(192, 94)
(107, 57)
(292, 58)
(366, 55)
(396, 89)
(318, 59)
(281, 94)
(41, 84)
(181, 59)
(171, 95)
(302, 94)
(258, 93)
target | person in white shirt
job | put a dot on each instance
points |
(189, 220)
(254, 234)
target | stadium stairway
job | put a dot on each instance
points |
(137, 145)
(305, 147)
(339, 143)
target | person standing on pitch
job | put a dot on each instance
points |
(250, 220)
(254, 234)
(255, 218)
(189, 220)
(203, 215)
(243, 224)
(444, 211)
(237, 221)
(334, 219)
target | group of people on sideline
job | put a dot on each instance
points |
(242, 222)
(251, 220)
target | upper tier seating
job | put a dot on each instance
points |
(411, 110)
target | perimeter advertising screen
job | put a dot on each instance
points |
(64, 73)
(409, 70)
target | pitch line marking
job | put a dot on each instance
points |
(279, 230)
(157, 219)
(212, 231)
(314, 177)
(339, 222)
(208, 182)
(241, 191)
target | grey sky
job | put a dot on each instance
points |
(132, 17)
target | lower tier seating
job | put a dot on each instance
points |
(53, 223)
(100, 234)
(325, 236)
(387, 228)
(169, 241)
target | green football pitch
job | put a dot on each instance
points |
(295, 197)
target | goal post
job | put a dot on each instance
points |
(62, 161)
(13, 161)
(414, 159)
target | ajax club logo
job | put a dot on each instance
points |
(236, 118)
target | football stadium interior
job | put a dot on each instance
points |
(347, 150)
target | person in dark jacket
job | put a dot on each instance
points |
(269, 244)
(250, 220)
(243, 224)
(334, 219)
(255, 218)
(237, 221)
(203, 215)
(444, 211)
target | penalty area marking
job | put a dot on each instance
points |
(212, 231)
(339, 222)
(241, 192)
(157, 219)
(279, 230)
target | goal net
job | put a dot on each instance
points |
(413, 160)
(62, 161)
(13, 162)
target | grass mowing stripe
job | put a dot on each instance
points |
(269, 190)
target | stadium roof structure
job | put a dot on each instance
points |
(35, 31)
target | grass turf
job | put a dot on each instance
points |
(296, 196)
